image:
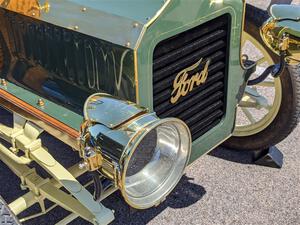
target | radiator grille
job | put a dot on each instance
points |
(204, 106)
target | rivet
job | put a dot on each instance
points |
(33, 14)
(41, 102)
(127, 44)
(135, 25)
(148, 18)
(76, 27)
(83, 9)
(3, 82)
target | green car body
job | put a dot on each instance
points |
(111, 79)
(129, 35)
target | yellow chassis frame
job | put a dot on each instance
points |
(24, 136)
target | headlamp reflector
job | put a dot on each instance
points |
(145, 156)
(157, 163)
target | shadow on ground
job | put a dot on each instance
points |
(243, 157)
(185, 194)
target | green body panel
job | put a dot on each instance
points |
(178, 16)
(107, 20)
(65, 65)
(56, 111)
(287, 12)
(191, 14)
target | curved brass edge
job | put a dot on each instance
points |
(158, 13)
(136, 77)
(242, 32)
(54, 127)
(278, 39)
(132, 147)
(153, 19)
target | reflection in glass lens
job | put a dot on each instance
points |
(153, 161)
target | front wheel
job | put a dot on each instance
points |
(269, 111)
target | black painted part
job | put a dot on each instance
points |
(205, 106)
(275, 70)
(271, 157)
(98, 187)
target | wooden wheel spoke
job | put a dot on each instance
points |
(257, 109)
(247, 104)
(266, 84)
(259, 100)
(261, 60)
(249, 115)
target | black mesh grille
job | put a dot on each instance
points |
(204, 106)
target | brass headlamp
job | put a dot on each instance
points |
(143, 155)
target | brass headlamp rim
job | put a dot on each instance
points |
(130, 150)
(120, 127)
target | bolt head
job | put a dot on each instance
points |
(3, 82)
(135, 25)
(127, 44)
(82, 165)
(41, 102)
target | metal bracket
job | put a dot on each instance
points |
(25, 137)
(271, 157)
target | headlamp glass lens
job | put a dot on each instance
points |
(153, 161)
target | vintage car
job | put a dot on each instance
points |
(139, 89)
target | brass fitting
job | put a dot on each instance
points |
(3, 82)
(93, 160)
(278, 39)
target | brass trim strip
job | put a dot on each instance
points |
(159, 12)
(149, 23)
(54, 127)
(136, 77)
(242, 33)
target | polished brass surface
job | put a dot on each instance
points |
(182, 85)
(110, 111)
(242, 35)
(135, 122)
(30, 8)
(119, 137)
(54, 127)
(3, 82)
(46, 7)
(278, 38)
(93, 159)
(41, 102)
